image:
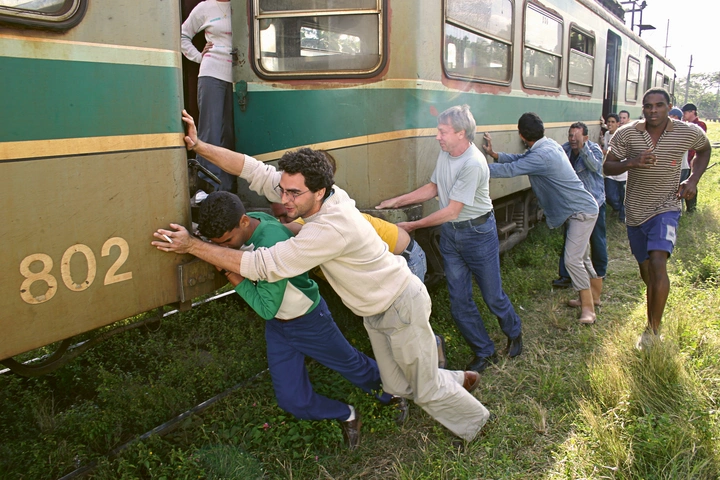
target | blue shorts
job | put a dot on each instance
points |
(657, 233)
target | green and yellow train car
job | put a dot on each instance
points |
(93, 161)
(365, 79)
(91, 145)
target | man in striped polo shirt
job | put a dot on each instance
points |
(654, 148)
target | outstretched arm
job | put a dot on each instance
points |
(227, 160)
(439, 217)
(422, 194)
(181, 242)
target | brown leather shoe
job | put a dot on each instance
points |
(472, 380)
(351, 431)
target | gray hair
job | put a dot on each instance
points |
(459, 118)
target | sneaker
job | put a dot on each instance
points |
(442, 359)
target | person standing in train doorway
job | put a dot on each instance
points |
(654, 148)
(215, 88)
(469, 242)
(690, 115)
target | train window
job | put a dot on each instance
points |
(658, 79)
(633, 80)
(542, 55)
(478, 39)
(648, 72)
(581, 62)
(56, 14)
(666, 82)
(298, 38)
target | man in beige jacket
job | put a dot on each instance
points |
(371, 281)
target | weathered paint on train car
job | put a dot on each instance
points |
(94, 162)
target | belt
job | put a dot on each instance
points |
(408, 250)
(471, 223)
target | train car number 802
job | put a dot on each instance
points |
(44, 274)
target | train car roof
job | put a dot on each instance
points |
(601, 11)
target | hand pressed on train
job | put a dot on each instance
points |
(191, 139)
(181, 240)
(487, 146)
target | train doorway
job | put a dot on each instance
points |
(612, 73)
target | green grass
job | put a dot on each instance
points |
(580, 402)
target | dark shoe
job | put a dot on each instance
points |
(351, 431)
(562, 282)
(471, 382)
(479, 364)
(442, 359)
(401, 405)
(514, 346)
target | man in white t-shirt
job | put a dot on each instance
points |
(468, 237)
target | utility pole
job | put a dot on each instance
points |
(687, 84)
(667, 34)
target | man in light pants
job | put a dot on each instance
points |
(562, 196)
(371, 281)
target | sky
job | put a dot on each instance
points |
(694, 26)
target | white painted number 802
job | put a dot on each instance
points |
(47, 264)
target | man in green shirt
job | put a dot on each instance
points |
(298, 322)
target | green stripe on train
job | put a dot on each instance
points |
(61, 99)
(276, 120)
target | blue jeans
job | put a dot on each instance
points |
(615, 196)
(317, 336)
(598, 247)
(416, 261)
(475, 251)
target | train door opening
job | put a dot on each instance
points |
(612, 73)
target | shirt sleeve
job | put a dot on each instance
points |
(263, 297)
(465, 186)
(190, 27)
(513, 164)
(315, 244)
(262, 178)
(701, 139)
(618, 146)
(592, 156)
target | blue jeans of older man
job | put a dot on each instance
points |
(475, 252)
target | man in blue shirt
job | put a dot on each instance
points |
(562, 196)
(586, 157)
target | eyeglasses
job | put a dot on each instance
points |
(293, 194)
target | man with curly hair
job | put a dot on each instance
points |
(296, 318)
(371, 281)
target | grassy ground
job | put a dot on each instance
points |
(580, 402)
